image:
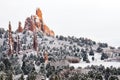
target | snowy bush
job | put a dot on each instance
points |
(104, 56)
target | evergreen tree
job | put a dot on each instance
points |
(99, 49)
(98, 77)
(113, 78)
(9, 75)
(104, 56)
(31, 76)
(85, 57)
(54, 77)
(21, 77)
(91, 52)
(93, 58)
(2, 76)
(57, 77)
(2, 66)
(7, 63)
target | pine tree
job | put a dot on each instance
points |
(91, 52)
(31, 76)
(9, 75)
(104, 56)
(22, 77)
(2, 66)
(113, 78)
(57, 77)
(2, 77)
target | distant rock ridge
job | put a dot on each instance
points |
(35, 22)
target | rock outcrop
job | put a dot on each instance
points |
(20, 29)
(35, 22)
(52, 33)
(29, 24)
(39, 13)
(10, 40)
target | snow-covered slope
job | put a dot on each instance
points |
(34, 50)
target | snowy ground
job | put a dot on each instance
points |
(98, 63)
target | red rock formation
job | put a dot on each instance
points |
(10, 40)
(39, 13)
(19, 27)
(36, 22)
(52, 33)
(46, 57)
(46, 30)
(35, 42)
(29, 24)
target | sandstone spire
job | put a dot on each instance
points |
(39, 13)
(10, 40)
(18, 44)
(19, 27)
(45, 56)
(35, 44)
(35, 22)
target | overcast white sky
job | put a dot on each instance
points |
(95, 19)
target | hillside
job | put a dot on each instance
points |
(35, 51)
